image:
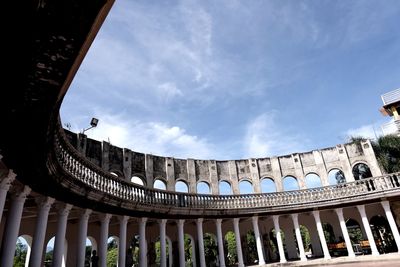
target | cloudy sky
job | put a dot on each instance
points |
(237, 79)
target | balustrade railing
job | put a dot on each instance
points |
(78, 168)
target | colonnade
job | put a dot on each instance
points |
(18, 195)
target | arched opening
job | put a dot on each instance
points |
(245, 187)
(190, 250)
(290, 183)
(48, 258)
(203, 188)
(22, 251)
(329, 233)
(361, 171)
(230, 245)
(137, 180)
(383, 234)
(168, 251)
(356, 236)
(225, 188)
(91, 245)
(210, 250)
(268, 185)
(181, 186)
(159, 184)
(112, 251)
(336, 176)
(313, 180)
(249, 247)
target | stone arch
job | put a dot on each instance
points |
(336, 176)
(203, 187)
(383, 235)
(49, 255)
(313, 180)
(181, 186)
(225, 187)
(23, 248)
(361, 171)
(354, 230)
(290, 183)
(267, 185)
(160, 183)
(245, 187)
(116, 173)
(136, 179)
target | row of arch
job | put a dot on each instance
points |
(313, 180)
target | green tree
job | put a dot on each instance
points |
(20, 254)
(387, 152)
(305, 236)
(231, 248)
(112, 257)
(251, 247)
(210, 249)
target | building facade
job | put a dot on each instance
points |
(62, 185)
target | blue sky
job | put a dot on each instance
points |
(237, 79)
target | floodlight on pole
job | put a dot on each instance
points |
(93, 123)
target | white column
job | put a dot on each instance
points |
(163, 245)
(58, 253)
(389, 216)
(102, 247)
(321, 235)
(221, 254)
(11, 229)
(275, 218)
(142, 242)
(349, 246)
(4, 187)
(300, 245)
(44, 204)
(238, 242)
(123, 222)
(181, 243)
(367, 228)
(260, 249)
(200, 238)
(82, 235)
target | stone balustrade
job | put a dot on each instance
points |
(78, 170)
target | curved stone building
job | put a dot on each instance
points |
(58, 184)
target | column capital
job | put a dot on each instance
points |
(254, 219)
(315, 213)
(361, 208)
(44, 202)
(275, 218)
(218, 222)
(63, 208)
(143, 220)
(385, 204)
(200, 220)
(85, 213)
(123, 219)
(295, 216)
(181, 222)
(104, 217)
(236, 220)
(5, 183)
(339, 211)
(21, 193)
(163, 221)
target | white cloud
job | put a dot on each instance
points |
(366, 131)
(151, 137)
(264, 138)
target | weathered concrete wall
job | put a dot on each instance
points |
(127, 163)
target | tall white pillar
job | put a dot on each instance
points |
(275, 218)
(367, 228)
(349, 246)
(163, 245)
(11, 229)
(123, 222)
(389, 216)
(238, 242)
(221, 254)
(200, 238)
(321, 235)
(44, 205)
(181, 243)
(260, 249)
(142, 242)
(82, 235)
(102, 247)
(59, 242)
(4, 187)
(300, 245)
